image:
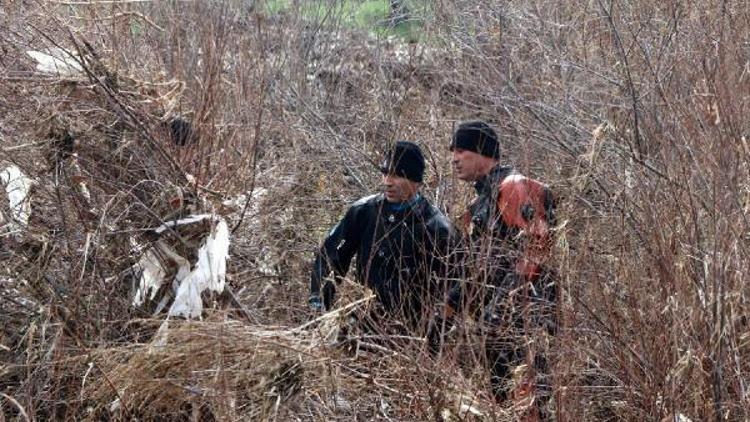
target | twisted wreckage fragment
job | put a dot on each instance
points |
(208, 273)
(17, 187)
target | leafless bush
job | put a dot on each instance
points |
(634, 112)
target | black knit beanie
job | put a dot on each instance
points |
(405, 159)
(476, 136)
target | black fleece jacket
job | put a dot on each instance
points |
(401, 253)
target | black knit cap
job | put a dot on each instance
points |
(476, 136)
(405, 159)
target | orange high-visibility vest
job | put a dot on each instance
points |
(526, 204)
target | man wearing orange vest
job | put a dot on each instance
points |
(504, 283)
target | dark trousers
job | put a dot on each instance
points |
(506, 346)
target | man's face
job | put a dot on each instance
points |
(471, 166)
(398, 189)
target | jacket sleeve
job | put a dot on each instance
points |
(456, 273)
(445, 258)
(336, 252)
(444, 262)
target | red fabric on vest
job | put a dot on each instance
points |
(521, 203)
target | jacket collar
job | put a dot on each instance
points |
(491, 180)
(403, 209)
(404, 206)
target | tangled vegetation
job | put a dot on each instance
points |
(634, 112)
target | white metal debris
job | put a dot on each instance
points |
(17, 185)
(152, 275)
(209, 272)
(57, 61)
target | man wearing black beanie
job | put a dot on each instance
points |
(508, 236)
(476, 136)
(399, 239)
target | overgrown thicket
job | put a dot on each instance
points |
(634, 112)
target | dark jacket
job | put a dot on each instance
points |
(400, 253)
(494, 247)
(504, 281)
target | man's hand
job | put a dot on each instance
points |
(315, 303)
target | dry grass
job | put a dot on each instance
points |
(635, 112)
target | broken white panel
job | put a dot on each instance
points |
(17, 185)
(209, 273)
(57, 61)
(152, 275)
